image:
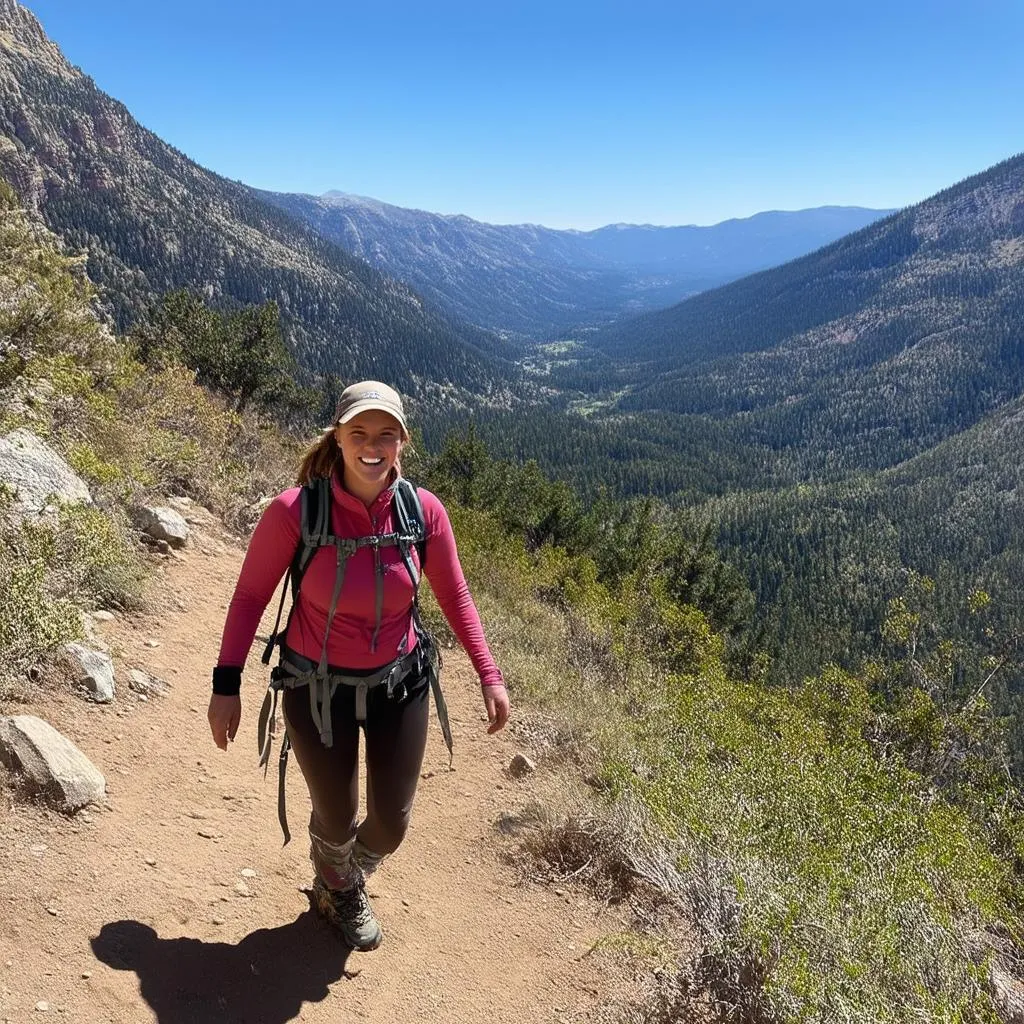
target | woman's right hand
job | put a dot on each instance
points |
(224, 714)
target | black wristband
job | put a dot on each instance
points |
(227, 680)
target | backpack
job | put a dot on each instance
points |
(315, 517)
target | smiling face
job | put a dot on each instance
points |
(370, 445)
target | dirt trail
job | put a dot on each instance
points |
(140, 912)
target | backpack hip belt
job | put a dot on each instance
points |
(294, 671)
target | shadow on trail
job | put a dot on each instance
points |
(264, 979)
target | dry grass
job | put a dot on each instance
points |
(583, 849)
(574, 839)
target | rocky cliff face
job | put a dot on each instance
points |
(21, 31)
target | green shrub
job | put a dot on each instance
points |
(97, 562)
(31, 619)
(813, 867)
(54, 568)
(86, 463)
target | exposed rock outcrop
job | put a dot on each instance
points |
(94, 670)
(164, 524)
(38, 476)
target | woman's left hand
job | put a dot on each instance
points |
(497, 704)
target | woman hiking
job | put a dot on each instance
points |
(353, 653)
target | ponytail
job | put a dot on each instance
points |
(321, 460)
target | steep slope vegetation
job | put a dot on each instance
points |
(152, 220)
(826, 558)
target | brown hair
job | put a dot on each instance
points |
(321, 460)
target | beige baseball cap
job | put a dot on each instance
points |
(366, 395)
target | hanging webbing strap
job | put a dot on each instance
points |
(426, 644)
(295, 671)
(282, 767)
(431, 653)
(265, 729)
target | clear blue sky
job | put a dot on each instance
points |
(570, 114)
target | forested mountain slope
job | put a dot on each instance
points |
(538, 282)
(825, 558)
(153, 220)
(860, 355)
(846, 423)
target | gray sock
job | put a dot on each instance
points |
(333, 862)
(367, 860)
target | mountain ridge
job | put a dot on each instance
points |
(343, 197)
(864, 353)
(538, 282)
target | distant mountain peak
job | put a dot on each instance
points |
(21, 22)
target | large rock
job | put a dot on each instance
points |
(163, 524)
(193, 512)
(37, 474)
(94, 670)
(51, 763)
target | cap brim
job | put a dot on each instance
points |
(372, 403)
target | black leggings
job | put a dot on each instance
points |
(396, 737)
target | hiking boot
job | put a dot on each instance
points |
(350, 912)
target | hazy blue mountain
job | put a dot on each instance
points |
(733, 247)
(538, 282)
(152, 220)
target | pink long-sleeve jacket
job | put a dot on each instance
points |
(351, 642)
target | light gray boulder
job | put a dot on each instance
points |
(193, 512)
(163, 524)
(37, 474)
(94, 671)
(51, 764)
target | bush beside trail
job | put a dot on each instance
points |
(134, 433)
(849, 848)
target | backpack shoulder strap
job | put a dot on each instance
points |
(315, 520)
(409, 515)
(315, 528)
